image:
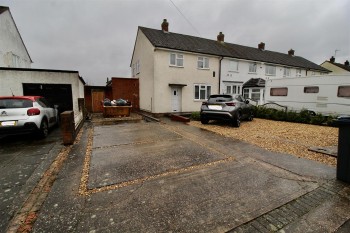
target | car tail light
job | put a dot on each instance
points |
(33, 111)
(230, 104)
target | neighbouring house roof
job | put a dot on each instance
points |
(254, 82)
(170, 40)
(344, 67)
(2, 10)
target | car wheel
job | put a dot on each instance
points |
(204, 121)
(44, 129)
(237, 121)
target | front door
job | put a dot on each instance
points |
(97, 100)
(176, 99)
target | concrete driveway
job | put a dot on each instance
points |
(171, 177)
(23, 160)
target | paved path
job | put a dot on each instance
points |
(23, 161)
(170, 177)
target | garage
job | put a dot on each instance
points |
(57, 94)
(64, 88)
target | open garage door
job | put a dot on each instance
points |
(57, 94)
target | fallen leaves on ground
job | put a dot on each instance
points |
(279, 136)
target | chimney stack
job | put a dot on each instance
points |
(291, 52)
(165, 25)
(261, 46)
(221, 37)
(332, 60)
(346, 63)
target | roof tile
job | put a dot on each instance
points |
(181, 42)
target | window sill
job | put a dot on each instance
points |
(233, 71)
(270, 75)
(176, 66)
(203, 68)
(252, 73)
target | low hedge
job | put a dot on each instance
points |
(304, 116)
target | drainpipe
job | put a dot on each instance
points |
(220, 74)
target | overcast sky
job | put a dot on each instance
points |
(96, 37)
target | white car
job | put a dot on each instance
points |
(26, 114)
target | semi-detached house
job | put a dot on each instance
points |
(178, 72)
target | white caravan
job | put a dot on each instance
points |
(326, 94)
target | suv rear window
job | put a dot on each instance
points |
(15, 103)
(220, 98)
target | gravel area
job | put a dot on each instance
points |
(283, 137)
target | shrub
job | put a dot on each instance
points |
(279, 115)
(195, 116)
(330, 119)
(318, 119)
(304, 116)
(292, 116)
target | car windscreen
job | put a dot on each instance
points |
(15, 103)
(220, 98)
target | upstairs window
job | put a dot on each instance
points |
(298, 73)
(286, 72)
(252, 67)
(233, 66)
(203, 63)
(270, 70)
(176, 59)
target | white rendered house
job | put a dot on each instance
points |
(178, 72)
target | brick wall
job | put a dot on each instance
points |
(127, 89)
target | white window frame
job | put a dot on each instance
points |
(270, 70)
(252, 67)
(246, 93)
(203, 63)
(233, 89)
(202, 87)
(233, 65)
(255, 91)
(298, 72)
(286, 72)
(177, 58)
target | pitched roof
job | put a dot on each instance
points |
(170, 40)
(255, 82)
(342, 66)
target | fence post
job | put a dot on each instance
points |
(68, 127)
